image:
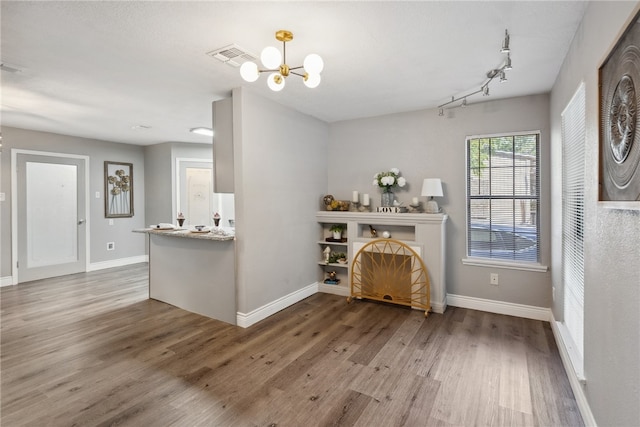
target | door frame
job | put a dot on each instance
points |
(14, 204)
(179, 161)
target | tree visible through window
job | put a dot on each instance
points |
(503, 197)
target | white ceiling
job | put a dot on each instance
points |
(97, 69)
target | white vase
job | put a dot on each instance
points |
(337, 235)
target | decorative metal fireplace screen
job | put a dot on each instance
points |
(389, 270)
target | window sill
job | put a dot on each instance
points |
(483, 262)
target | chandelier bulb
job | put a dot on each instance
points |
(249, 71)
(271, 57)
(313, 64)
(312, 80)
(275, 82)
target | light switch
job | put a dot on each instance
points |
(110, 222)
(2, 197)
(97, 194)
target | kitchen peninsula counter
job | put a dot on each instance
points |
(193, 271)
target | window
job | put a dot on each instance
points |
(503, 197)
(573, 176)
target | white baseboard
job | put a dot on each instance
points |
(333, 289)
(6, 281)
(500, 307)
(574, 381)
(120, 262)
(247, 319)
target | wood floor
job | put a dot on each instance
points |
(91, 350)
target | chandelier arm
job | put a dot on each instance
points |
(296, 68)
(297, 74)
(268, 70)
(284, 52)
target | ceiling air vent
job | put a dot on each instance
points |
(232, 55)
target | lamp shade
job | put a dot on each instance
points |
(432, 187)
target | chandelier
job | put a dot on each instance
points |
(276, 64)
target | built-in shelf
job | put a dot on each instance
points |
(425, 231)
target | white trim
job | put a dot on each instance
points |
(485, 262)
(577, 383)
(245, 320)
(14, 203)
(6, 281)
(120, 262)
(500, 307)
(333, 289)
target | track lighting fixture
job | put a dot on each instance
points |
(276, 64)
(491, 74)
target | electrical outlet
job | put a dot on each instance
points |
(110, 222)
(493, 279)
(111, 246)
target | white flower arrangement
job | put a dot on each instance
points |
(388, 180)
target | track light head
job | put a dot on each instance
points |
(485, 90)
(505, 43)
(503, 77)
(507, 63)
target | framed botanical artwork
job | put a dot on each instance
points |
(118, 189)
(619, 84)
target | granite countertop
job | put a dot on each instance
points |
(220, 234)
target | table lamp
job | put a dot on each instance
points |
(432, 187)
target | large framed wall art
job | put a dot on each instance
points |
(619, 84)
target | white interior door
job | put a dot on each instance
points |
(51, 219)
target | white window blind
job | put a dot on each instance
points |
(503, 197)
(573, 174)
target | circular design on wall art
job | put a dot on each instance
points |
(622, 119)
(620, 150)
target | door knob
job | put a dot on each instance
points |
(80, 222)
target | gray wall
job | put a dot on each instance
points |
(160, 178)
(127, 243)
(280, 158)
(612, 237)
(158, 183)
(423, 145)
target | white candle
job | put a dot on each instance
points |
(415, 201)
(365, 200)
(354, 197)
